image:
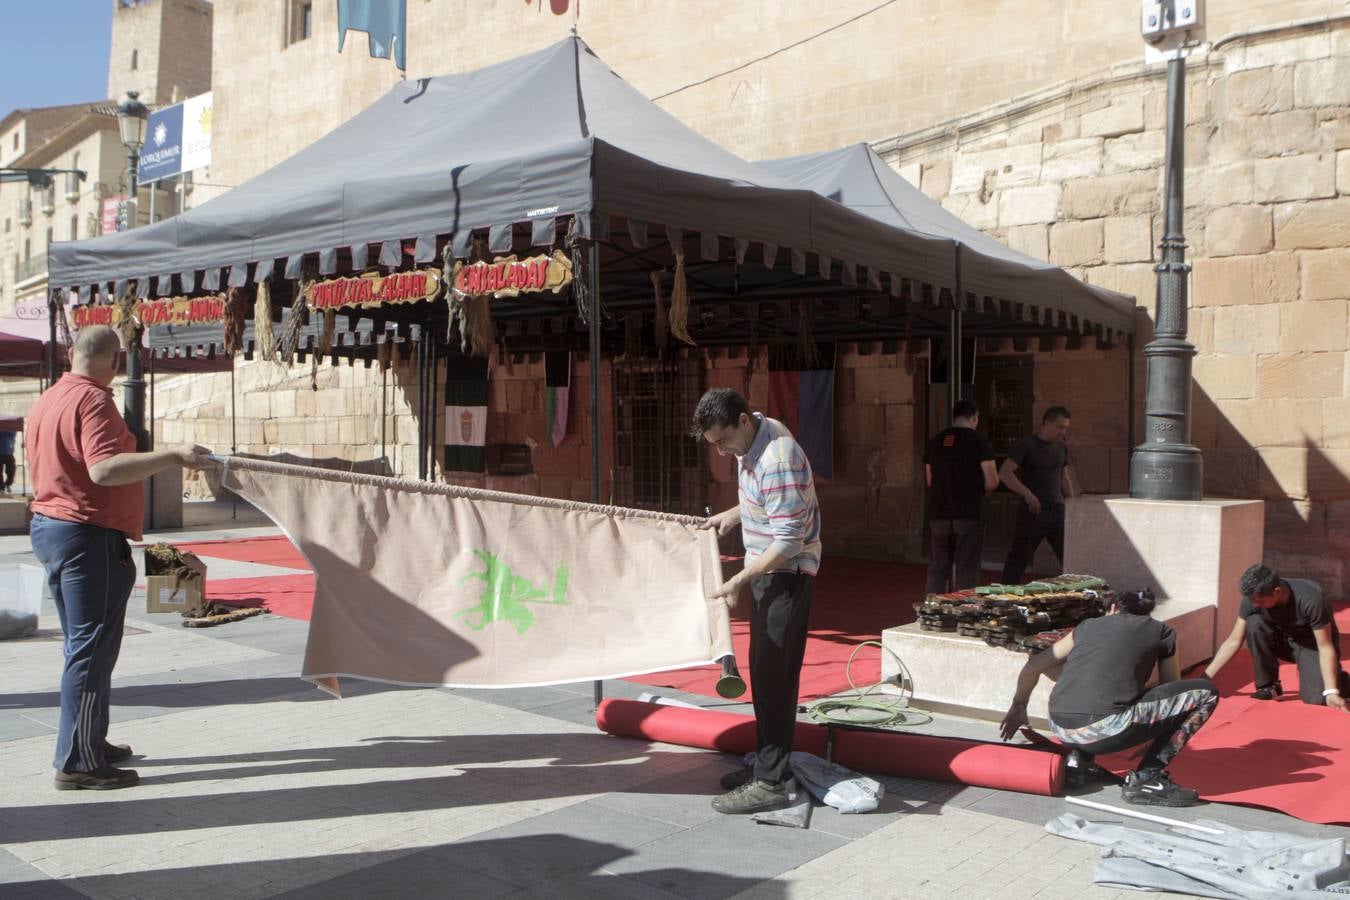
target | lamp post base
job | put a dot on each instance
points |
(1166, 472)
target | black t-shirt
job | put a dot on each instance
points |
(1111, 661)
(1305, 610)
(958, 479)
(1039, 465)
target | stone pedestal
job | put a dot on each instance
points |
(1190, 553)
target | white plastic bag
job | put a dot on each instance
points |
(832, 784)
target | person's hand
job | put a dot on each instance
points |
(730, 591)
(723, 522)
(1033, 503)
(193, 456)
(1336, 701)
(1015, 718)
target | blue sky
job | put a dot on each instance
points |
(55, 52)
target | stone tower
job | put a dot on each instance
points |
(161, 48)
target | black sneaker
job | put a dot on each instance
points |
(1081, 771)
(1156, 789)
(1269, 692)
(733, 780)
(105, 778)
(116, 753)
(753, 797)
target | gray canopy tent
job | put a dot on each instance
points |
(518, 154)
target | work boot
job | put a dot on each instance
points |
(733, 780)
(1269, 692)
(1156, 789)
(753, 797)
(104, 778)
(116, 753)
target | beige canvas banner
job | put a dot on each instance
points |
(431, 584)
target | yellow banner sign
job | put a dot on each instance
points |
(374, 290)
(168, 311)
(507, 276)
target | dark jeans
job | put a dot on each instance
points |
(1269, 645)
(7, 468)
(90, 573)
(956, 543)
(778, 627)
(1031, 529)
(1167, 717)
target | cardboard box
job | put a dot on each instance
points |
(165, 593)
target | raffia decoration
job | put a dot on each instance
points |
(292, 325)
(504, 358)
(328, 331)
(262, 323)
(234, 320)
(679, 304)
(472, 315)
(661, 324)
(382, 353)
(808, 354)
(909, 344)
(58, 309)
(632, 337)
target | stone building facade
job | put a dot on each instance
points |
(1040, 122)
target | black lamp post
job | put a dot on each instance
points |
(1166, 466)
(132, 117)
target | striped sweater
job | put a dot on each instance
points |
(778, 499)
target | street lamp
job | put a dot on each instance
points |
(132, 117)
(1166, 466)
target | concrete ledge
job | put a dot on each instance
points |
(13, 515)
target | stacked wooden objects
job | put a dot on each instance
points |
(1028, 617)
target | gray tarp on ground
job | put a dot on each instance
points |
(533, 140)
(859, 179)
(1244, 865)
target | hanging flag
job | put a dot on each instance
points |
(557, 388)
(433, 584)
(803, 400)
(385, 22)
(466, 396)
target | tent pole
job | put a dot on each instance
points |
(422, 406)
(53, 310)
(154, 189)
(434, 408)
(593, 295)
(234, 440)
(384, 410)
(954, 342)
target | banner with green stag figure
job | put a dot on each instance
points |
(433, 584)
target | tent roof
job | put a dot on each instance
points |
(859, 179)
(514, 150)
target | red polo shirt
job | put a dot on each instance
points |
(72, 426)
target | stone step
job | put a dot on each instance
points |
(953, 673)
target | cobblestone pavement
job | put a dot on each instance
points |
(255, 784)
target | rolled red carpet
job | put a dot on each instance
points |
(997, 766)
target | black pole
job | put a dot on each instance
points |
(234, 441)
(434, 440)
(593, 296)
(133, 389)
(954, 342)
(421, 407)
(1166, 466)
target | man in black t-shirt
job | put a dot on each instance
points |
(1287, 619)
(959, 468)
(1037, 469)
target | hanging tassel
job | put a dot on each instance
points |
(679, 304)
(909, 344)
(382, 353)
(263, 334)
(58, 309)
(661, 324)
(234, 320)
(124, 319)
(328, 331)
(632, 338)
(808, 355)
(504, 358)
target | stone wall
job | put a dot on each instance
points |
(1074, 176)
(171, 40)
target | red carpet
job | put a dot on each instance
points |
(291, 596)
(272, 551)
(1283, 755)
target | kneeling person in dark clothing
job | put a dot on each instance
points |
(1287, 619)
(1099, 704)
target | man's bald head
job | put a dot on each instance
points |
(96, 348)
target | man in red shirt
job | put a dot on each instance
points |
(87, 503)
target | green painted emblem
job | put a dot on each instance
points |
(505, 594)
